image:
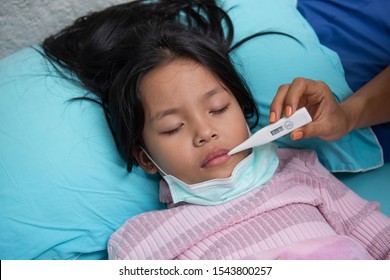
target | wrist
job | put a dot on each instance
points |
(350, 117)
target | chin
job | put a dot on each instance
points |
(223, 174)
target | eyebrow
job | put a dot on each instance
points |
(212, 92)
(175, 110)
(165, 113)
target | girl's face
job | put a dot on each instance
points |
(191, 122)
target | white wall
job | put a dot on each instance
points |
(26, 22)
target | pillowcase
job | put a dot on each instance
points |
(63, 187)
(269, 61)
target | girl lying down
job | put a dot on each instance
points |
(263, 204)
(176, 106)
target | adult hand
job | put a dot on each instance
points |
(330, 120)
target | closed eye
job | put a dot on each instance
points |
(173, 131)
(220, 111)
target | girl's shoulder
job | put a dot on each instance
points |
(301, 160)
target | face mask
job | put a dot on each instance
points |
(252, 172)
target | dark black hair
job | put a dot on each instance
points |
(110, 51)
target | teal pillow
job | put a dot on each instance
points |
(269, 61)
(63, 187)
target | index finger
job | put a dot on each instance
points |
(298, 88)
(305, 92)
(277, 104)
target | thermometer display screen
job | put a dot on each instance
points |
(277, 130)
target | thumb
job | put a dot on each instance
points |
(310, 130)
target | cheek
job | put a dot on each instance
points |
(238, 128)
(242, 128)
(172, 157)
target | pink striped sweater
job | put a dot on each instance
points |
(303, 212)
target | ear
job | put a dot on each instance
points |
(144, 162)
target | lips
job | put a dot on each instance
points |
(216, 158)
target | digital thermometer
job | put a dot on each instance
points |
(274, 131)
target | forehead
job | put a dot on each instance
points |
(176, 82)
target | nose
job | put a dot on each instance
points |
(204, 133)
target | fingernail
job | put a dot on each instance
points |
(297, 135)
(288, 111)
(272, 117)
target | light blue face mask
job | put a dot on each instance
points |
(252, 172)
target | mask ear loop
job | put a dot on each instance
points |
(150, 158)
(249, 130)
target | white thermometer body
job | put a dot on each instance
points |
(273, 131)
